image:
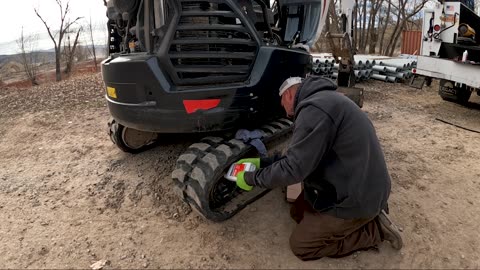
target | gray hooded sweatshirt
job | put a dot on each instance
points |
(335, 152)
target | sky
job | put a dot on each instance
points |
(17, 13)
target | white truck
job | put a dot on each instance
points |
(450, 49)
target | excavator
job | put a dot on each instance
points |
(212, 67)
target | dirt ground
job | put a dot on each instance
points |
(69, 197)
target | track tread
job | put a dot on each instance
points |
(179, 175)
(187, 158)
(201, 146)
(213, 141)
(202, 165)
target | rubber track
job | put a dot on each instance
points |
(203, 164)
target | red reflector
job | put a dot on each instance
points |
(437, 28)
(414, 70)
(192, 106)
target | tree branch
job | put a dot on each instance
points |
(59, 3)
(70, 24)
(63, 15)
(417, 9)
(46, 25)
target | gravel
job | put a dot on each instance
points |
(83, 91)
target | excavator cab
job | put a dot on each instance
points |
(203, 66)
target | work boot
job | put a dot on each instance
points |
(390, 231)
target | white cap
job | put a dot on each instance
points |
(289, 83)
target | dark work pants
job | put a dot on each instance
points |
(320, 235)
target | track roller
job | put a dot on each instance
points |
(130, 140)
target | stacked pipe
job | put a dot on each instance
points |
(369, 67)
(394, 69)
(363, 69)
(326, 65)
(323, 66)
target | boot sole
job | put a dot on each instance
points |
(389, 226)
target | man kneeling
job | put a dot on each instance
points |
(335, 152)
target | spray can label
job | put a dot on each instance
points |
(235, 169)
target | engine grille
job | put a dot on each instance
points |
(211, 45)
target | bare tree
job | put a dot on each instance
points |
(65, 25)
(366, 23)
(378, 24)
(27, 46)
(404, 15)
(384, 29)
(355, 24)
(372, 34)
(69, 52)
(82, 53)
(92, 43)
(363, 36)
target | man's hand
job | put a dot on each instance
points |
(241, 182)
(254, 161)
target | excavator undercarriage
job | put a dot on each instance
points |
(203, 66)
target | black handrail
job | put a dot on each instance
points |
(265, 16)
